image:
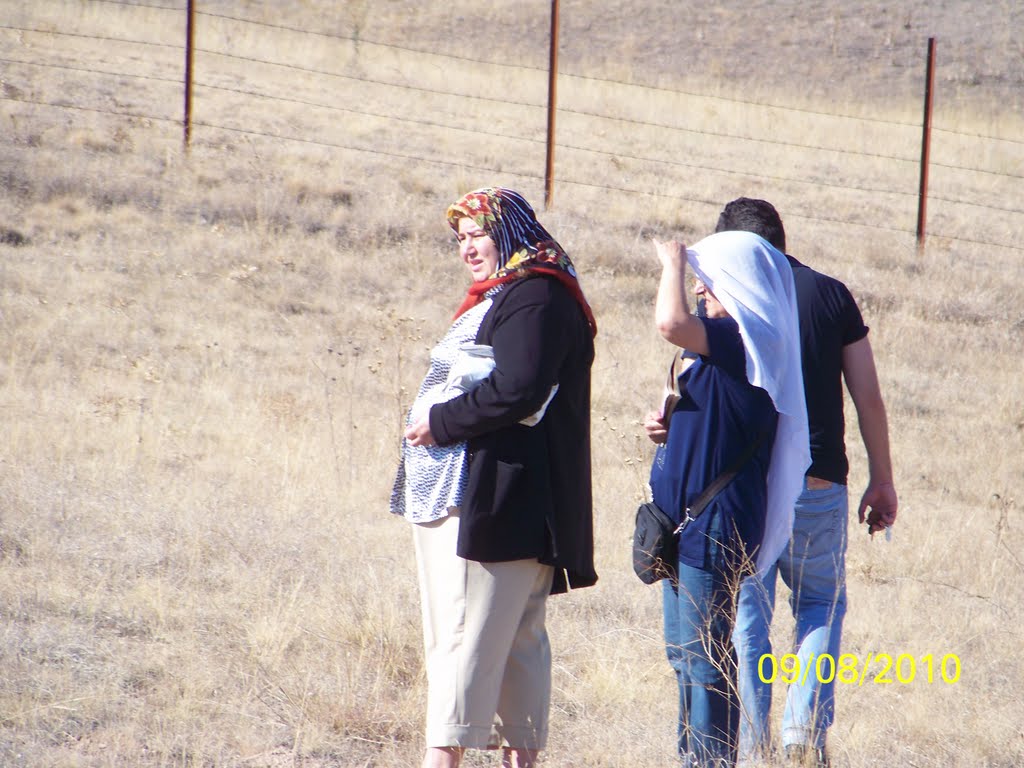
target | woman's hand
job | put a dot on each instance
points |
(419, 434)
(671, 254)
(655, 427)
(672, 315)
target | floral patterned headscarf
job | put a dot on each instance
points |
(524, 246)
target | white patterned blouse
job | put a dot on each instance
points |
(431, 480)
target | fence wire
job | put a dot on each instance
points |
(209, 90)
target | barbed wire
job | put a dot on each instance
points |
(668, 161)
(583, 113)
(580, 112)
(610, 81)
(79, 107)
(977, 135)
(382, 152)
(591, 78)
(723, 135)
(370, 80)
(974, 170)
(664, 126)
(732, 172)
(439, 92)
(414, 121)
(533, 176)
(487, 169)
(746, 102)
(102, 38)
(596, 115)
(961, 239)
(367, 41)
(986, 206)
(141, 5)
(67, 68)
(845, 223)
(438, 161)
(562, 145)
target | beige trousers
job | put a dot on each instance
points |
(487, 654)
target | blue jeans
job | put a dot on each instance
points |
(699, 613)
(814, 568)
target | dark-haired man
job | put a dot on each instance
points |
(835, 348)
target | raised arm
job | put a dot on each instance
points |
(862, 382)
(671, 310)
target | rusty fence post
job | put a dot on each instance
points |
(190, 32)
(549, 169)
(922, 200)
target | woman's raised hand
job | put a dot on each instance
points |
(671, 253)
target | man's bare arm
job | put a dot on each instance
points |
(862, 383)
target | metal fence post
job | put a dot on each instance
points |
(922, 200)
(549, 170)
(190, 31)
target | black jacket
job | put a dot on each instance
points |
(529, 492)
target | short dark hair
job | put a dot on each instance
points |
(758, 216)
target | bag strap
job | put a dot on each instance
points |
(694, 511)
(672, 389)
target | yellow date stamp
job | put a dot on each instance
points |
(854, 669)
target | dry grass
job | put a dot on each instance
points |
(205, 362)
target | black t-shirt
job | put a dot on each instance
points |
(829, 321)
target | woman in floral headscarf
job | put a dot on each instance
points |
(495, 475)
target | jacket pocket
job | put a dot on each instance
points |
(509, 487)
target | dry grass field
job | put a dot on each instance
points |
(205, 357)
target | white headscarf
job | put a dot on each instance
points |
(754, 282)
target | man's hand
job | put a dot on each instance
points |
(655, 427)
(881, 499)
(419, 434)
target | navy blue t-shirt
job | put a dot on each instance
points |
(829, 321)
(719, 414)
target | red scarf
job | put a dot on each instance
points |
(476, 291)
